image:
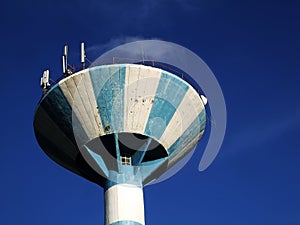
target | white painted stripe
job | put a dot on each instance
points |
(69, 88)
(186, 113)
(90, 102)
(140, 88)
(124, 202)
(79, 93)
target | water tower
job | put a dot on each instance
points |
(120, 126)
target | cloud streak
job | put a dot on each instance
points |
(97, 50)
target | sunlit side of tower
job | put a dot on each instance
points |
(121, 126)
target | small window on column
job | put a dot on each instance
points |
(125, 160)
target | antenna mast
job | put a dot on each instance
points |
(65, 61)
(45, 81)
(82, 55)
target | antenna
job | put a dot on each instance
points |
(82, 55)
(64, 64)
(66, 51)
(65, 60)
(45, 81)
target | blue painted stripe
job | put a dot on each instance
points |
(189, 134)
(118, 153)
(126, 175)
(108, 84)
(60, 111)
(169, 94)
(98, 159)
(126, 222)
(137, 157)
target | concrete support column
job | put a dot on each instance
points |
(124, 205)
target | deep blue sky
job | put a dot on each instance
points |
(253, 48)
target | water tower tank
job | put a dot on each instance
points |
(121, 126)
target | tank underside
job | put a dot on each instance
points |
(90, 120)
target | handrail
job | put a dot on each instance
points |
(118, 60)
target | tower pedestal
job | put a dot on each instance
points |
(124, 202)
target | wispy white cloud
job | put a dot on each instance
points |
(97, 50)
(113, 42)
